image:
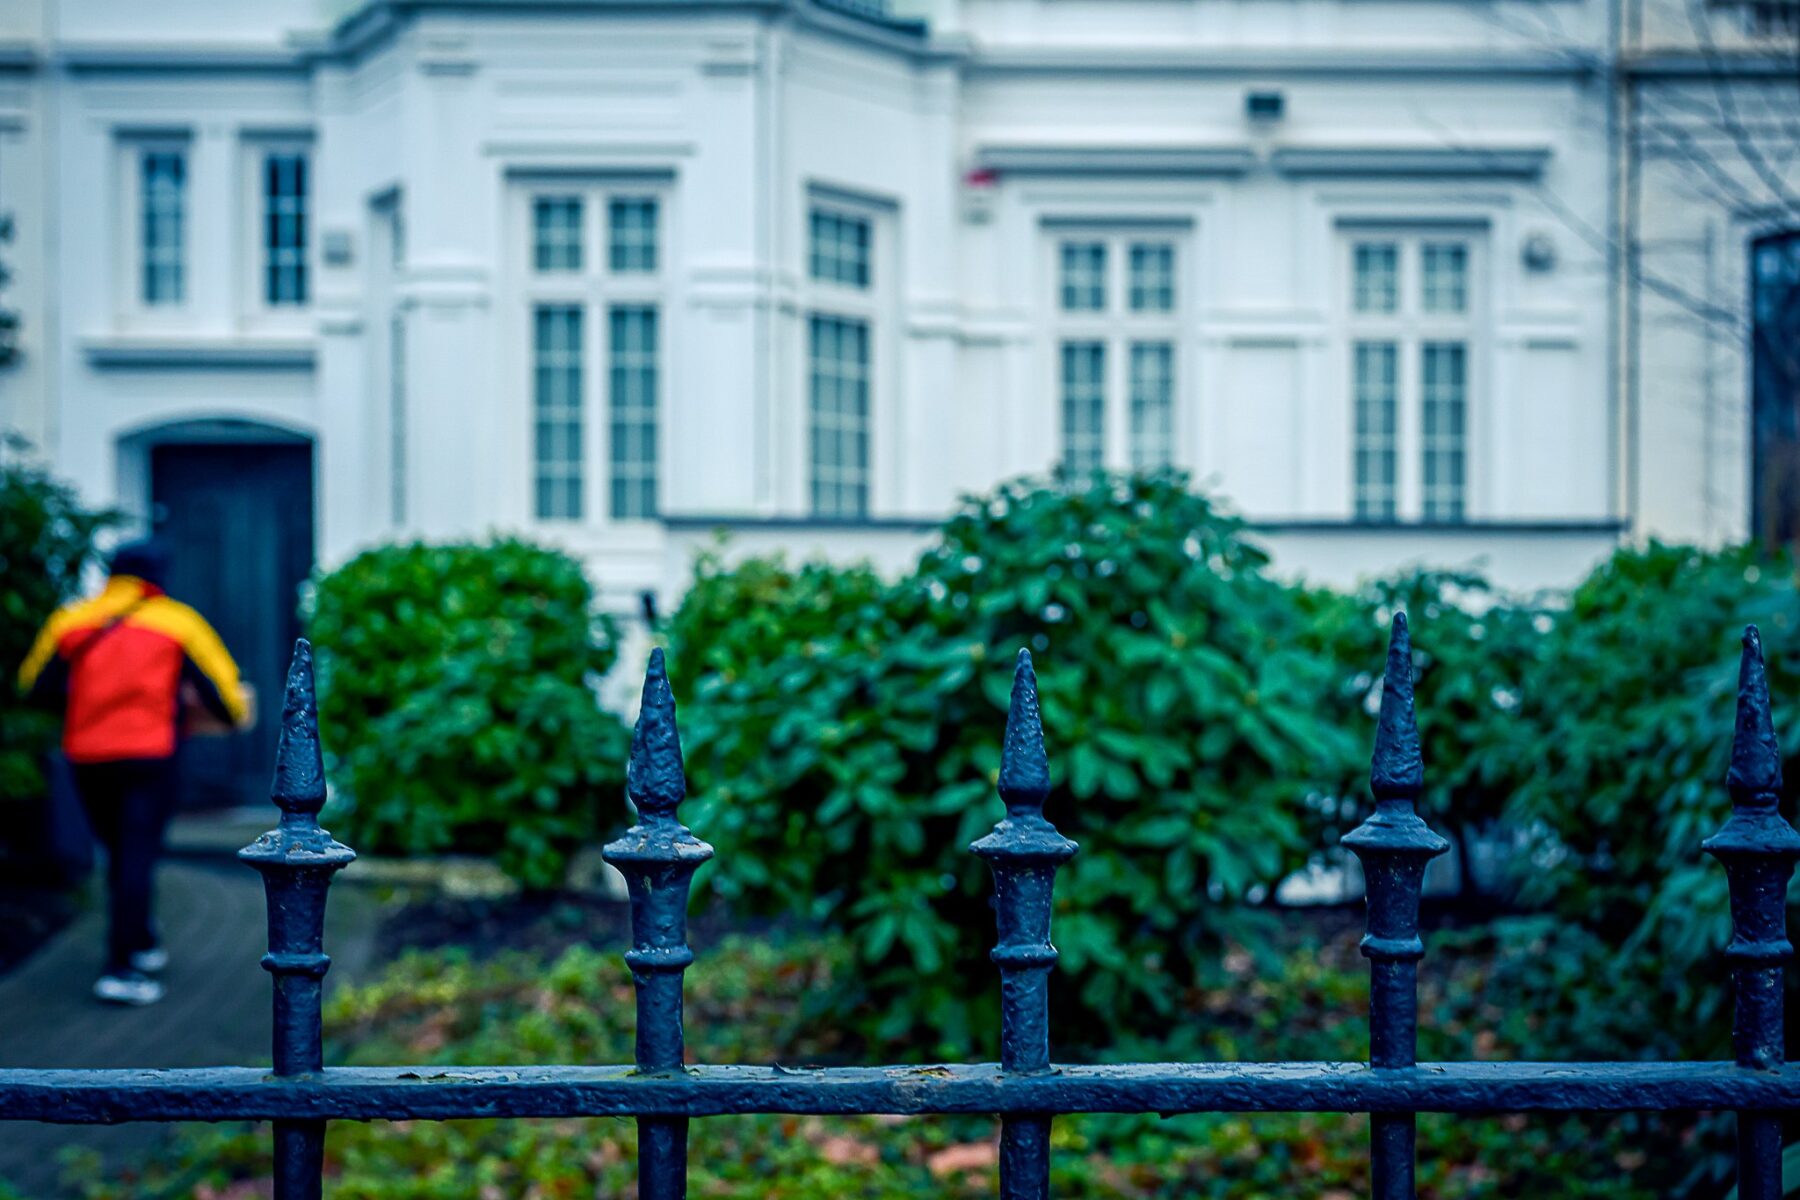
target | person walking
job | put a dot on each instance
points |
(125, 663)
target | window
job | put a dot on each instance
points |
(556, 340)
(844, 303)
(1152, 277)
(631, 226)
(595, 296)
(1409, 334)
(1775, 388)
(162, 202)
(1377, 279)
(842, 248)
(1084, 405)
(1445, 271)
(556, 233)
(632, 399)
(838, 390)
(1084, 276)
(1445, 400)
(1377, 430)
(284, 185)
(1152, 404)
(1116, 303)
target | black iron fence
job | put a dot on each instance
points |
(658, 857)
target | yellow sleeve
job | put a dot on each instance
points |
(203, 649)
(207, 652)
(42, 650)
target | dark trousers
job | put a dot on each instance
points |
(128, 803)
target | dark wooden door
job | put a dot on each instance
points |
(238, 521)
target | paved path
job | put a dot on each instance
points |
(216, 1013)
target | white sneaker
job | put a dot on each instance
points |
(150, 961)
(127, 987)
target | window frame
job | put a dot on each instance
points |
(254, 150)
(597, 289)
(1123, 329)
(866, 302)
(1413, 330)
(133, 147)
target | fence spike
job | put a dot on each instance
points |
(1755, 754)
(1393, 844)
(1758, 849)
(658, 857)
(297, 860)
(299, 785)
(656, 777)
(1023, 852)
(1398, 769)
(1024, 765)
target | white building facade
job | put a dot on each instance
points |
(619, 275)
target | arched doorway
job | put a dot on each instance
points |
(1775, 387)
(233, 500)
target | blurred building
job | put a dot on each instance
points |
(1709, 107)
(1405, 279)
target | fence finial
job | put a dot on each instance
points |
(1393, 844)
(299, 785)
(1024, 766)
(1758, 849)
(1023, 851)
(297, 860)
(1755, 755)
(658, 857)
(1398, 769)
(655, 777)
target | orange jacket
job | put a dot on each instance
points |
(123, 692)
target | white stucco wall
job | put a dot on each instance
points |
(1398, 114)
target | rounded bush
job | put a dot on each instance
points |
(844, 738)
(457, 704)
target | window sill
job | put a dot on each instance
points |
(1475, 527)
(169, 350)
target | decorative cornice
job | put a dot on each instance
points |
(1514, 162)
(374, 19)
(1238, 61)
(1115, 160)
(185, 56)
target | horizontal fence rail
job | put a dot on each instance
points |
(439, 1094)
(1026, 1090)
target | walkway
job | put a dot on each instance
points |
(216, 1012)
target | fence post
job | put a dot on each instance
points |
(297, 860)
(1758, 849)
(1394, 844)
(1023, 852)
(658, 857)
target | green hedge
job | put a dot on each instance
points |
(1209, 729)
(457, 704)
(1631, 717)
(843, 742)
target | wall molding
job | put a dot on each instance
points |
(1511, 162)
(1115, 160)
